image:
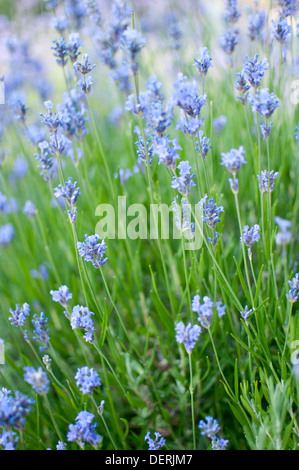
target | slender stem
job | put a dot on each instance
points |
(114, 306)
(108, 390)
(218, 363)
(252, 271)
(289, 316)
(101, 148)
(243, 249)
(37, 416)
(47, 248)
(200, 190)
(192, 402)
(215, 262)
(52, 418)
(104, 422)
(149, 177)
(259, 144)
(186, 276)
(212, 140)
(248, 129)
(79, 263)
(204, 166)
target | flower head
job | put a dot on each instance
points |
(155, 444)
(242, 86)
(184, 182)
(264, 102)
(219, 444)
(293, 294)
(256, 25)
(86, 85)
(187, 335)
(87, 380)
(250, 236)
(264, 179)
(205, 310)
(289, 7)
(167, 151)
(70, 192)
(210, 211)
(84, 430)
(62, 295)
(233, 160)
(7, 232)
(41, 333)
(133, 42)
(246, 314)
(81, 318)
(204, 62)
(84, 67)
(38, 379)
(209, 427)
(73, 46)
(189, 127)
(254, 70)
(229, 40)
(232, 13)
(60, 52)
(186, 96)
(14, 409)
(18, 316)
(29, 209)
(281, 30)
(9, 440)
(45, 159)
(203, 145)
(284, 235)
(92, 250)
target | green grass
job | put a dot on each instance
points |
(242, 374)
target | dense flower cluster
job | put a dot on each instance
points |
(41, 332)
(81, 318)
(210, 211)
(38, 379)
(205, 310)
(267, 180)
(250, 236)
(187, 335)
(204, 62)
(157, 443)
(62, 295)
(148, 157)
(87, 380)
(84, 430)
(284, 235)
(293, 294)
(184, 182)
(209, 427)
(14, 409)
(18, 316)
(70, 192)
(93, 251)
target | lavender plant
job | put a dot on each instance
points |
(115, 336)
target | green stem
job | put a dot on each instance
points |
(215, 262)
(186, 276)
(104, 423)
(243, 249)
(112, 189)
(218, 364)
(192, 402)
(52, 418)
